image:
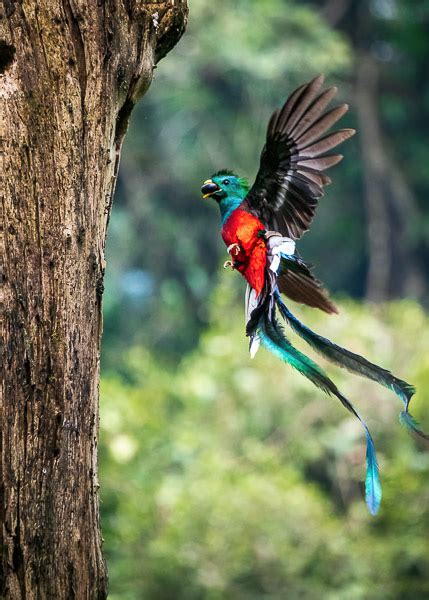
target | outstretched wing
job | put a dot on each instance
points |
(291, 175)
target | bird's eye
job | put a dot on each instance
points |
(225, 182)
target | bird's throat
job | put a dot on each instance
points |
(227, 206)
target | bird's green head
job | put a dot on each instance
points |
(227, 189)
(223, 185)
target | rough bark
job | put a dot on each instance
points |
(70, 73)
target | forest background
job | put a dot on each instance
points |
(225, 479)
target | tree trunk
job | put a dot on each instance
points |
(70, 73)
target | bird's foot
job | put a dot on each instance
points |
(228, 264)
(233, 249)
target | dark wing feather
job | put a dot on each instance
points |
(291, 175)
(298, 283)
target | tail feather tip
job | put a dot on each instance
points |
(409, 422)
(373, 491)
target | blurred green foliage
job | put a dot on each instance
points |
(226, 478)
(230, 479)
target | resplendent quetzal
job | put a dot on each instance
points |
(260, 226)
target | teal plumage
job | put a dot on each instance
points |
(274, 339)
(372, 479)
(260, 226)
(355, 364)
(408, 421)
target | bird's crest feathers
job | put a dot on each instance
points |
(244, 183)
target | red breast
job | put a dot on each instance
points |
(242, 228)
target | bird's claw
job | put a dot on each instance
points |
(228, 264)
(233, 249)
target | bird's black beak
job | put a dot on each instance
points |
(209, 188)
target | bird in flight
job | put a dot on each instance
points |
(260, 226)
